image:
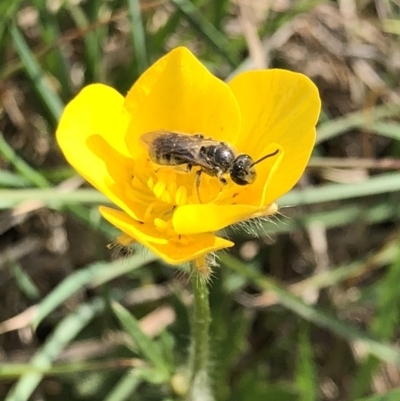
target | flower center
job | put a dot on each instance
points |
(176, 186)
(159, 190)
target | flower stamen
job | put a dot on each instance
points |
(149, 211)
(181, 196)
(161, 224)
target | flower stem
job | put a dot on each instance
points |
(199, 386)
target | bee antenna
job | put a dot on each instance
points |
(265, 157)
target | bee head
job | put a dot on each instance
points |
(242, 171)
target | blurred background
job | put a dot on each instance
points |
(306, 310)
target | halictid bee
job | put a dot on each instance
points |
(214, 158)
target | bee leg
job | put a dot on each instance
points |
(189, 167)
(222, 179)
(198, 176)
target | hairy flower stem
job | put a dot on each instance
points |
(199, 386)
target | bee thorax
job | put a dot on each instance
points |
(219, 157)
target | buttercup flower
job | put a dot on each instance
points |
(166, 208)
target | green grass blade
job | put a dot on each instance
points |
(201, 24)
(219, 10)
(384, 128)
(339, 217)
(92, 42)
(10, 199)
(305, 370)
(138, 35)
(52, 197)
(387, 318)
(93, 275)
(383, 183)
(56, 62)
(8, 179)
(147, 347)
(7, 10)
(373, 347)
(359, 119)
(124, 388)
(47, 94)
(159, 38)
(23, 281)
(64, 333)
(391, 395)
(16, 370)
(20, 165)
(392, 26)
(384, 324)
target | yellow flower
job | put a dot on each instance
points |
(161, 207)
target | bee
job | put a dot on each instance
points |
(214, 158)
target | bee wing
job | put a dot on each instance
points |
(182, 146)
(149, 137)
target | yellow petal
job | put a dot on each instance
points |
(282, 107)
(178, 93)
(194, 219)
(201, 244)
(91, 134)
(142, 232)
(170, 251)
(254, 194)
